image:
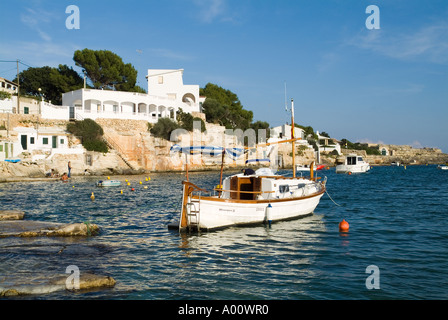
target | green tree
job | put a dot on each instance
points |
(308, 130)
(186, 121)
(106, 70)
(360, 146)
(261, 125)
(223, 107)
(53, 82)
(4, 95)
(163, 128)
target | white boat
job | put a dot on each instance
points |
(108, 183)
(246, 199)
(442, 167)
(353, 164)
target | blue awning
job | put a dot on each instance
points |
(233, 153)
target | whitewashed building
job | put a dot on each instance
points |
(7, 104)
(284, 132)
(166, 95)
(43, 142)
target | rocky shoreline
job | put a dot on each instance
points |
(33, 171)
(12, 224)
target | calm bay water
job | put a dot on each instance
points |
(398, 222)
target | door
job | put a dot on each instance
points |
(24, 142)
(54, 142)
(72, 113)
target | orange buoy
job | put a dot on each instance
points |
(343, 226)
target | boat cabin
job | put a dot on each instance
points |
(241, 187)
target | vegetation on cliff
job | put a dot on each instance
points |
(165, 126)
(360, 146)
(91, 134)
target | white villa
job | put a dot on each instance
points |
(166, 95)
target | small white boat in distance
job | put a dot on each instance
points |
(353, 164)
(442, 167)
(108, 183)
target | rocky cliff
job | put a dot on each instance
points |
(134, 150)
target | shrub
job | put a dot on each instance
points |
(91, 134)
(163, 128)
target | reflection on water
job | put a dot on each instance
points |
(391, 226)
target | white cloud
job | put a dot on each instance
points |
(40, 54)
(37, 19)
(428, 43)
(212, 10)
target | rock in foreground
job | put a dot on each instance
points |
(7, 215)
(87, 281)
(48, 229)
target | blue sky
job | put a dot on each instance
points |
(387, 85)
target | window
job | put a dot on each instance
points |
(89, 159)
(351, 160)
(61, 141)
(26, 110)
(1, 148)
(44, 140)
(31, 140)
(283, 188)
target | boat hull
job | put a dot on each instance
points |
(352, 168)
(108, 183)
(218, 213)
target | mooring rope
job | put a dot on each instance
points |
(332, 198)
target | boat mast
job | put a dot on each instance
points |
(293, 140)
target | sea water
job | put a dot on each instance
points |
(396, 247)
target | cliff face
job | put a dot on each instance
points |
(134, 150)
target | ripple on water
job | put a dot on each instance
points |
(397, 222)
